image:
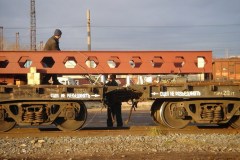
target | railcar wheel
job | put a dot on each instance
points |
(235, 122)
(168, 118)
(65, 124)
(6, 125)
(155, 112)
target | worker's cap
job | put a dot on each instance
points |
(57, 32)
(112, 76)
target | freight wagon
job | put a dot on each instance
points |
(176, 104)
(226, 69)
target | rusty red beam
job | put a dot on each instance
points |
(122, 62)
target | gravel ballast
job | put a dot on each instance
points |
(79, 147)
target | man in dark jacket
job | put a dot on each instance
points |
(113, 105)
(52, 45)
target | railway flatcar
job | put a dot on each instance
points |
(176, 103)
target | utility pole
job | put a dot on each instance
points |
(1, 38)
(17, 41)
(88, 30)
(41, 45)
(226, 52)
(33, 26)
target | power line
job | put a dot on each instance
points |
(130, 26)
(165, 26)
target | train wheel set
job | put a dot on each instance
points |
(180, 114)
(67, 116)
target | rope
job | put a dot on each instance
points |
(89, 121)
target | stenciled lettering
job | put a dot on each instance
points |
(71, 95)
(224, 93)
(74, 95)
(180, 93)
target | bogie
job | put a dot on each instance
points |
(178, 114)
(66, 115)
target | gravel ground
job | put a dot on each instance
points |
(155, 146)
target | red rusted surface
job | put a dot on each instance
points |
(226, 69)
(106, 62)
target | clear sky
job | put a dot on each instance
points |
(129, 24)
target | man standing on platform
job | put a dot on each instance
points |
(52, 45)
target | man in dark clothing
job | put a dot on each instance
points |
(114, 106)
(52, 45)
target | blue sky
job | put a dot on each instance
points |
(130, 24)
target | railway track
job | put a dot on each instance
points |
(104, 131)
(140, 124)
(95, 141)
